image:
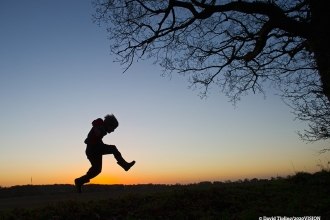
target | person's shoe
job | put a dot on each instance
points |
(126, 166)
(78, 185)
(79, 182)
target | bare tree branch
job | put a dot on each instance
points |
(239, 45)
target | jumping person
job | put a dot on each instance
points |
(96, 148)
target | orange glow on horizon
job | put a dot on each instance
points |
(115, 175)
(104, 180)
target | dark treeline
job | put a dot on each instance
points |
(56, 189)
(39, 190)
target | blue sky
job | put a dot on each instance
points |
(57, 76)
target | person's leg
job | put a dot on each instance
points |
(112, 149)
(96, 168)
(95, 159)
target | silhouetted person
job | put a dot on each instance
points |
(96, 148)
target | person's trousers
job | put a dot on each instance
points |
(94, 155)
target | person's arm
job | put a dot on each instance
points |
(94, 136)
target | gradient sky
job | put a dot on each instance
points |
(57, 76)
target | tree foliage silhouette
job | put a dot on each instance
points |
(239, 45)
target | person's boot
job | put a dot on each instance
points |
(126, 166)
(79, 182)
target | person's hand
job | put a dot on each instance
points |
(97, 132)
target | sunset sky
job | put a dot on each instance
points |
(57, 76)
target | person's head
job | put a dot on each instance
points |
(110, 122)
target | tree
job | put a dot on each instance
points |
(239, 45)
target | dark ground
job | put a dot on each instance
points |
(31, 201)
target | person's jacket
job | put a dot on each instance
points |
(97, 132)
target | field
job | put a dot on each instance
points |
(300, 195)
